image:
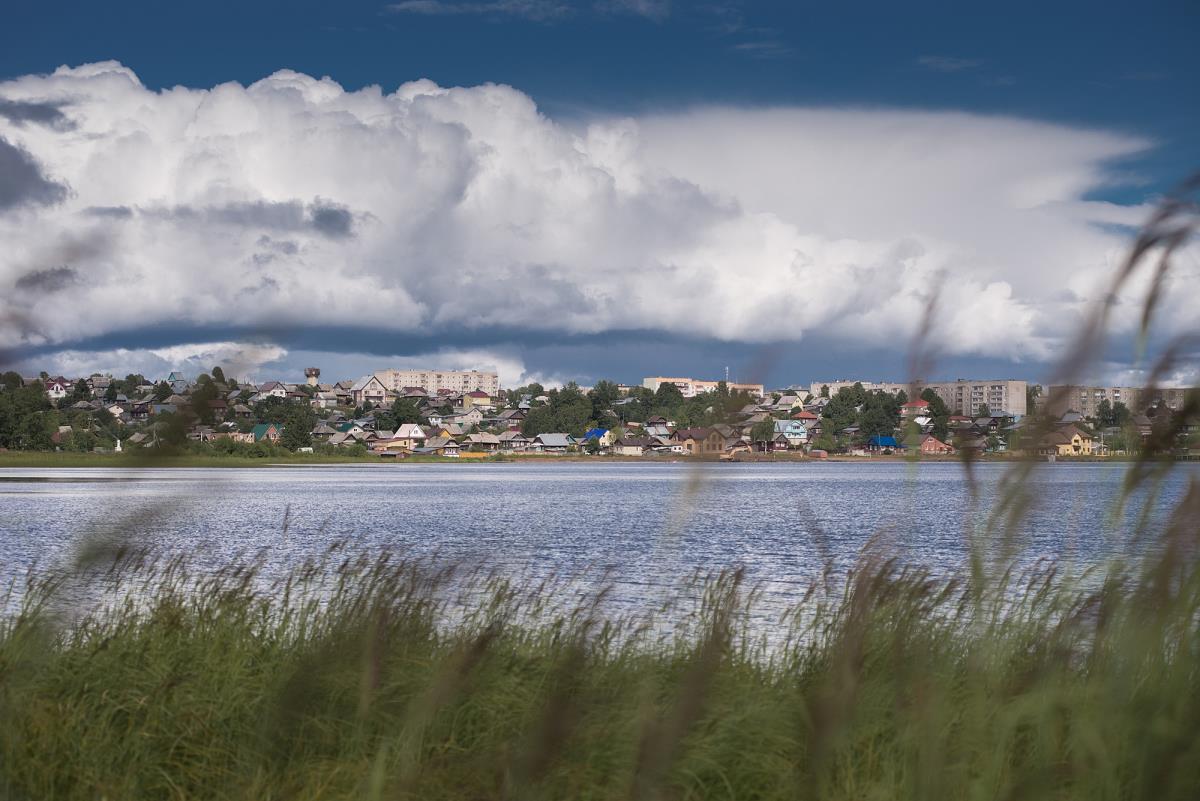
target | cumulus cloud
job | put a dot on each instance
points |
(294, 203)
(236, 359)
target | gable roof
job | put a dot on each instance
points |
(554, 440)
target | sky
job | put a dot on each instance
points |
(583, 190)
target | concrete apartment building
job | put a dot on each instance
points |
(962, 396)
(1087, 400)
(457, 381)
(870, 386)
(691, 387)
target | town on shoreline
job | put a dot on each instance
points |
(432, 414)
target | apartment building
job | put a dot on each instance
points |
(691, 387)
(870, 386)
(457, 381)
(965, 396)
(962, 396)
(1087, 400)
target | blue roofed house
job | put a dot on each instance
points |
(882, 444)
(602, 436)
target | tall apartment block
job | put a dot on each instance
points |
(433, 380)
(962, 396)
(1087, 400)
(691, 387)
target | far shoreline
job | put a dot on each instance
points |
(30, 459)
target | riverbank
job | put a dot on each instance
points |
(25, 459)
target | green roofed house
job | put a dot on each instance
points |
(267, 431)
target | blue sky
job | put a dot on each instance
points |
(1117, 70)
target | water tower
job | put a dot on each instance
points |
(312, 374)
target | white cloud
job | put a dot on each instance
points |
(236, 359)
(294, 203)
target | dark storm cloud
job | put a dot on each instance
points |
(22, 182)
(54, 279)
(111, 212)
(321, 216)
(19, 112)
(332, 221)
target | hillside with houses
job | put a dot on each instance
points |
(466, 414)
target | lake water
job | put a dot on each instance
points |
(648, 525)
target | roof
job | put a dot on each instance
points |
(878, 441)
(555, 440)
(409, 431)
(478, 393)
(595, 433)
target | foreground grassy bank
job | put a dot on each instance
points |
(891, 685)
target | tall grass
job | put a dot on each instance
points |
(379, 678)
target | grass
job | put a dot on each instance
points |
(365, 677)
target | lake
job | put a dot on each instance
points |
(648, 525)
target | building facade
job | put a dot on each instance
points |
(691, 387)
(1087, 400)
(962, 396)
(457, 381)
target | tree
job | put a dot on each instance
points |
(11, 380)
(939, 412)
(762, 431)
(162, 391)
(298, 421)
(824, 390)
(218, 375)
(110, 392)
(1033, 393)
(984, 411)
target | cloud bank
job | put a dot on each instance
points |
(292, 203)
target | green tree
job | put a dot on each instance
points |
(81, 391)
(1033, 393)
(162, 391)
(218, 375)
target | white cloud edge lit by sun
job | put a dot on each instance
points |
(466, 207)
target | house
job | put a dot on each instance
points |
(513, 441)
(323, 431)
(806, 417)
(355, 429)
(482, 442)
(274, 389)
(700, 441)
(512, 418)
(268, 432)
(368, 389)
(632, 446)
(323, 400)
(552, 443)
(477, 398)
(57, 388)
(914, 409)
(468, 418)
(408, 435)
(793, 432)
(932, 446)
(601, 436)
(439, 446)
(882, 444)
(242, 412)
(1066, 441)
